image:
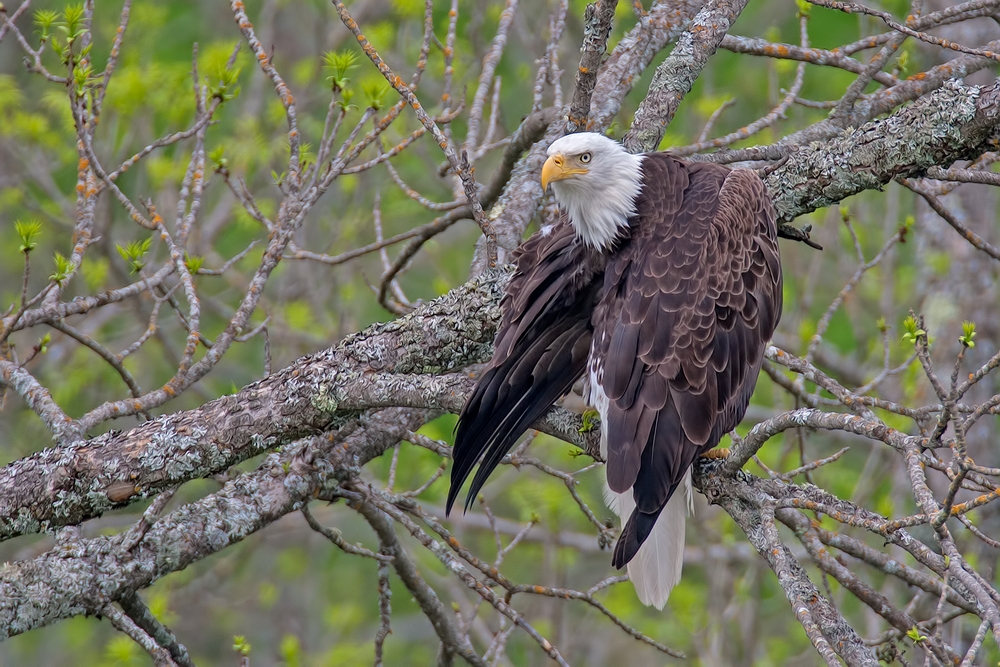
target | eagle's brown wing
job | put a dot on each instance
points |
(541, 350)
(680, 330)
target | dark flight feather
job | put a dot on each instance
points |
(541, 350)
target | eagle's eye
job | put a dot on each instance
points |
(585, 157)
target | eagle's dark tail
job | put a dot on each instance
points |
(634, 533)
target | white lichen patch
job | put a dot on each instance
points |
(324, 400)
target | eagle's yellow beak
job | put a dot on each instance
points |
(555, 169)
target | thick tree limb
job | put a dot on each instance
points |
(61, 486)
(84, 576)
(597, 29)
(662, 24)
(952, 123)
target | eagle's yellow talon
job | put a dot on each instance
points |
(716, 454)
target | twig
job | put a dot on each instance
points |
(755, 46)
(10, 20)
(161, 657)
(460, 165)
(787, 476)
(284, 94)
(424, 595)
(851, 7)
(137, 610)
(335, 536)
(103, 353)
(977, 643)
(490, 63)
(766, 121)
(714, 118)
(977, 241)
(472, 196)
(384, 610)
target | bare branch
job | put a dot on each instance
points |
(676, 75)
(597, 29)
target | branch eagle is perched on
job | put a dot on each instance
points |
(661, 283)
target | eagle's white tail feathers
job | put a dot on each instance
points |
(656, 568)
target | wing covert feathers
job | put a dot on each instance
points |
(686, 311)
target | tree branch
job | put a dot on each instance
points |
(597, 29)
(676, 75)
(61, 583)
(753, 511)
(953, 123)
(425, 596)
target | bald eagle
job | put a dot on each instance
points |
(661, 285)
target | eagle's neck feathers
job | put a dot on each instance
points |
(600, 203)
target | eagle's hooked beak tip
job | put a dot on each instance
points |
(552, 170)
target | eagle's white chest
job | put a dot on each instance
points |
(594, 396)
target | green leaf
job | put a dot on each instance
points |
(902, 63)
(64, 268)
(83, 77)
(45, 19)
(28, 232)
(218, 157)
(345, 99)
(225, 88)
(73, 16)
(58, 47)
(193, 262)
(291, 651)
(241, 645)
(134, 252)
(338, 64)
(590, 418)
(912, 332)
(968, 333)
(375, 92)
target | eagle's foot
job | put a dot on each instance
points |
(716, 454)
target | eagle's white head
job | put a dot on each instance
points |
(596, 182)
